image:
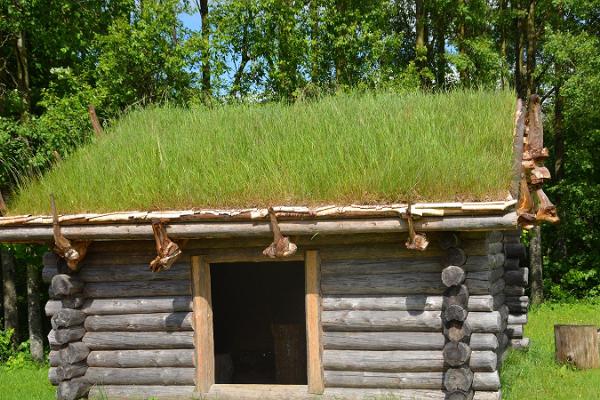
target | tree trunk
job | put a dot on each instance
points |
(23, 72)
(314, 35)
(503, 39)
(520, 84)
(340, 56)
(440, 47)
(577, 345)
(206, 88)
(11, 316)
(535, 265)
(531, 48)
(461, 38)
(420, 48)
(36, 341)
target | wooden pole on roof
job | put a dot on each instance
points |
(94, 119)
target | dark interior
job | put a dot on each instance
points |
(259, 323)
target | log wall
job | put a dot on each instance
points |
(385, 317)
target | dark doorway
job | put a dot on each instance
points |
(259, 323)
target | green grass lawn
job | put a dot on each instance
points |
(531, 375)
(349, 148)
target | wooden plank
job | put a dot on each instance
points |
(141, 358)
(203, 324)
(138, 340)
(136, 289)
(401, 321)
(178, 321)
(403, 303)
(192, 230)
(391, 266)
(384, 380)
(383, 340)
(140, 305)
(140, 376)
(312, 268)
(134, 272)
(140, 392)
(389, 284)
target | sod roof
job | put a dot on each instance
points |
(373, 148)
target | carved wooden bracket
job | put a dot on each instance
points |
(167, 250)
(281, 246)
(416, 241)
(71, 252)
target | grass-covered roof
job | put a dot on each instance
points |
(351, 148)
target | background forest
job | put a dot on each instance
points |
(58, 57)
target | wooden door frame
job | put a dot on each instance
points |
(204, 353)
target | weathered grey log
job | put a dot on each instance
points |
(65, 285)
(456, 353)
(515, 250)
(490, 275)
(72, 389)
(495, 247)
(54, 345)
(390, 361)
(519, 344)
(480, 395)
(486, 381)
(425, 321)
(68, 371)
(101, 392)
(453, 275)
(389, 284)
(514, 291)
(486, 322)
(66, 335)
(70, 354)
(455, 312)
(477, 286)
(135, 272)
(180, 321)
(517, 277)
(211, 229)
(447, 240)
(514, 331)
(52, 307)
(73, 301)
(53, 377)
(48, 272)
(140, 376)
(384, 380)
(458, 379)
(67, 317)
(136, 289)
(378, 267)
(483, 361)
(460, 395)
(383, 341)
(141, 358)
(454, 256)
(483, 341)
(517, 303)
(329, 303)
(511, 264)
(457, 331)
(138, 340)
(141, 305)
(495, 236)
(456, 295)
(514, 319)
(359, 394)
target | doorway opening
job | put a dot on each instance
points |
(259, 322)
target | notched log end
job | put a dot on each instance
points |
(167, 251)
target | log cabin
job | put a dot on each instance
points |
(398, 300)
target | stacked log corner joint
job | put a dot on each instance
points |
(517, 279)
(458, 377)
(534, 206)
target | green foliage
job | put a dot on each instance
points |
(361, 148)
(30, 381)
(11, 357)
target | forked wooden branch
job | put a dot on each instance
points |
(167, 250)
(415, 240)
(72, 252)
(281, 246)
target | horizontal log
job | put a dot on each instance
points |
(515, 250)
(455, 312)
(140, 376)
(72, 389)
(384, 380)
(70, 354)
(480, 395)
(453, 275)
(65, 335)
(458, 379)
(401, 361)
(52, 307)
(456, 354)
(136, 289)
(514, 331)
(477, 286)
(400, 303)
(383, 341)
(141, 358)
(138, 340)
(68, 371)
(381, 321)
(65, 285)
(448, 239)
(486, 381)
(389, 284)
(192, 230)
(514, 291)
(67, 317)
(511, 264)
(517, 277)
(378, 267)
(514, 319)
(457, 331)
(180, 321)
(454, 256)
(490, 275)
(98, 392)
(115, 273)
(53, 376)
(483, 341)
(486, 322)
(140, 305)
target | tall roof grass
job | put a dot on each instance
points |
(350, 148)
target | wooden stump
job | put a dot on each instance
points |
(577, 345)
